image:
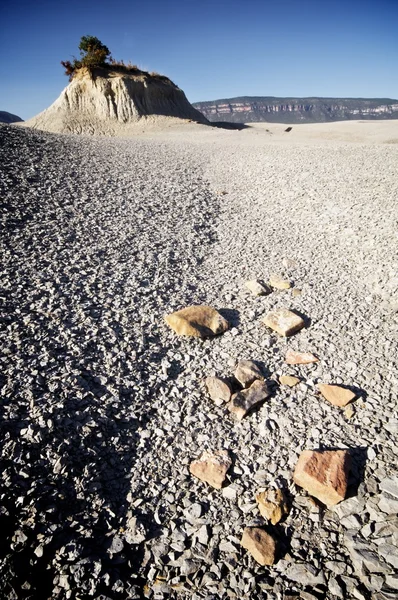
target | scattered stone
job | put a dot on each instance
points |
(324, 474)
(335, 588)
(299, 358)
(276, 281)
(390, 486)
(257, 287)
(289, 380)
(349, 412)
(284, 321)
(305, 574)
(272, 505)
(211, 467)
(247, 372)
(392, 581)
(197, 321)
(289, 263)
(260, 544)
(242, 402)
(390, 554)
(296, 292)
(336, 395)
(219, 390)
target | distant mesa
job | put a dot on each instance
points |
(257, 109)
(6, 117)
(108, 97)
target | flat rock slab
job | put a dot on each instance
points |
(289, 380)
(390, 486)
(257, 287)
(284, 321)
(336, 395)
(211, 467)
(299, 358)
(260, 544)
(197, 321)
(247, 372)
(245, 400)
(219, 390)
(272, 505)
(324, 474)
(278, 282)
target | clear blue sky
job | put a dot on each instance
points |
(211, 48)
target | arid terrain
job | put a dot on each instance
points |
(103, 407)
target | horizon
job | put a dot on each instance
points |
(212, 52)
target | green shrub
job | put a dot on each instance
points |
(93, 53)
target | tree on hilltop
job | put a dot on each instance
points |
(93, 53)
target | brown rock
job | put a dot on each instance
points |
(299, 358)
(336, 395)
(219, 389)
(272, 505)
(289, 380)
(324, 474)
(296, 292)
(211, 467)
(246, 372)
(245, 400)
(283, 321)
(257, 287)
(260, 544)
(197, 321)
(276, 281)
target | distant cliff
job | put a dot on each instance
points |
(252, 109)
(6, 117)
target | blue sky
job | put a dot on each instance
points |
(211, 48)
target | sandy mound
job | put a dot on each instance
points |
(109, 102)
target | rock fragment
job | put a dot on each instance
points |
(272, 505)
(299, 358)
(247, 372)
(289, 380)
(276, 281)
(324, 474)
(211, 467)
(336, 395)
(349, 412)
(245, 400)
(257, 287)
(260, 544)
(284, 321)
(219, 390)
(197, 321)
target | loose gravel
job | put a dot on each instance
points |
(103, 407)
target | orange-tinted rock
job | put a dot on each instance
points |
(336, 395)
(272, 505)
(197, 321)
(289, 380)
(219, 389)
(324, 474)
(284, 321)
(245, 400)
(246, 372)
(260, 544)
(299, 358)
(211, 467)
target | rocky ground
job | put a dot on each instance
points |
(103, 407)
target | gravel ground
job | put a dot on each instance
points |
(103, 408)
